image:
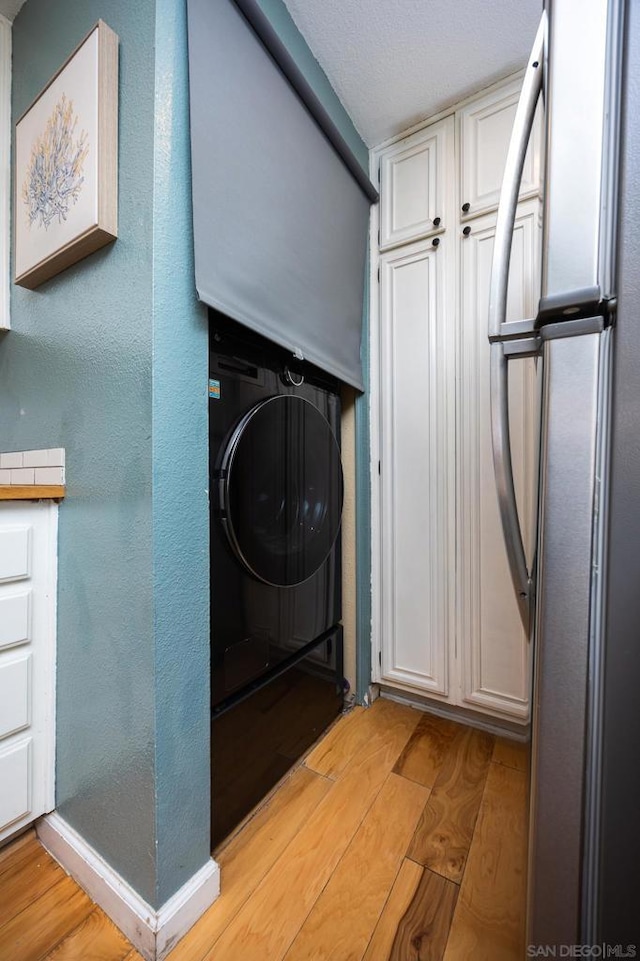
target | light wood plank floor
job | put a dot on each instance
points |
(401, 837)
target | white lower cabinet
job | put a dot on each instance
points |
(28, 551)
(493, 649)
(417, 431)
(447, 624)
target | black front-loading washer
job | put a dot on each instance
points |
(276, 504)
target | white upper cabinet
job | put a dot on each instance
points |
(484, 132)
(412, 185)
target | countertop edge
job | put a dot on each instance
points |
(31, 492)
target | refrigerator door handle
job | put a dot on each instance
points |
(503, 470)
(500, 333)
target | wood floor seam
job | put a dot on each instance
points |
(408, 844)
(266, 929)
(414, 780)
(344, 915)
(66, 900)
(384, 908)
(312, 906)
(29, 904)
(417, 864)
(489, 919)
(343, 855)
(262, 823)
(433, 870)
(35, 872)
(259, 809)
(124, 948)
(17, 851)
(326, 777)
(512, 767)
(444, 834)
(426, 922)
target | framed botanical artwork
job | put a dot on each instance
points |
(66, 160)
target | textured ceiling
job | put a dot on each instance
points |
(394, 62)
(9, 8)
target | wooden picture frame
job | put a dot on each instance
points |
(66, 163)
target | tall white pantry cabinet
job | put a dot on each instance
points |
(446, 623)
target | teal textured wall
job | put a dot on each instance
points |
(75, 372)
(109, 360)
(180, 480)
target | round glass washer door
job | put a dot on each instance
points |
(281, 495)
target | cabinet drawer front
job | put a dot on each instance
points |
(15, 619)
(412, 191)
(15, 783)
(15, 694)
(15, 554)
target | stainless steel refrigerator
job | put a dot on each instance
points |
(580, 596)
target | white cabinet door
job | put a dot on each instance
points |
(417, 448)
(413, 185)
(28, 540)
(485, 130)
(495, 651)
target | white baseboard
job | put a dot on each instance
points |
(153, 933)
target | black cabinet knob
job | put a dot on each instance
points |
(466, 231)
(466, 208)
(436, 221)
(436, 241)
